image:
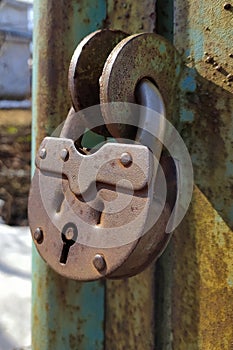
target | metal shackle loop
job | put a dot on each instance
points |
(148, 95)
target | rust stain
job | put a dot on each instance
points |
(57, 321)
(196, 303)
(87, 64)
(52, 58)
(130, 312)
(134, 58)
(208, 137)
(131, 16)
(206, 97)
(202, 292)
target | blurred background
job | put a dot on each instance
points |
(16, 24)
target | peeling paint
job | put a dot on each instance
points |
(130, 312)
(131, 16)
(188, 83)
(197, 300)
(186, 116)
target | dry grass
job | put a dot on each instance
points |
(15, 154)
(15, 117)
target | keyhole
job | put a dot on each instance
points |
(69, 236)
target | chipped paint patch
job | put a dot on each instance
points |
(186, 116)
(162, 48)
(188, 83)
(229, 169)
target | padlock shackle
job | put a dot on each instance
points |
(148, 95)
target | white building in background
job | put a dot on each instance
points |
(15, 51)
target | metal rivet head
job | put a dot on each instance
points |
(227, 6)
(43, 153)
(64, 154)
(38, 235)
(209, 59)
(99, 262)
(126, 159)
(230, 77)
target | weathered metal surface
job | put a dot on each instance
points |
(134, 296)
(104, 166)
(193, 301)
(134, 58)
(196, 300)
(65, 313)
(53, 205)
(53, 198)
(70, 21)
(164, 18)
(86, 67)
(202, 291)
(87, 64)
(127, 258)
(130, 312)
(206, 97)
(131, 16)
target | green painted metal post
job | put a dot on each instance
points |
(65, 314)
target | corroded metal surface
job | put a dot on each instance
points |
(206, 98)
(134, 58)
(64, 313)
(202, 279)
(59, 165)
(131, 16)
(87, 64)
(58, 28)
(86, 67)
(202, 291)
(196, 300)
(134, 296)
(138, 252)
(54, 205)
(104, 166)
(130, 312)
(78, 264)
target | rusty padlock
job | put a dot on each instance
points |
(93, 216)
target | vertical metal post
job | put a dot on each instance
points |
(195, 283)
(65, 314)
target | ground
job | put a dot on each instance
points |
(15, 291)
(15, 132)
(15, 257)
